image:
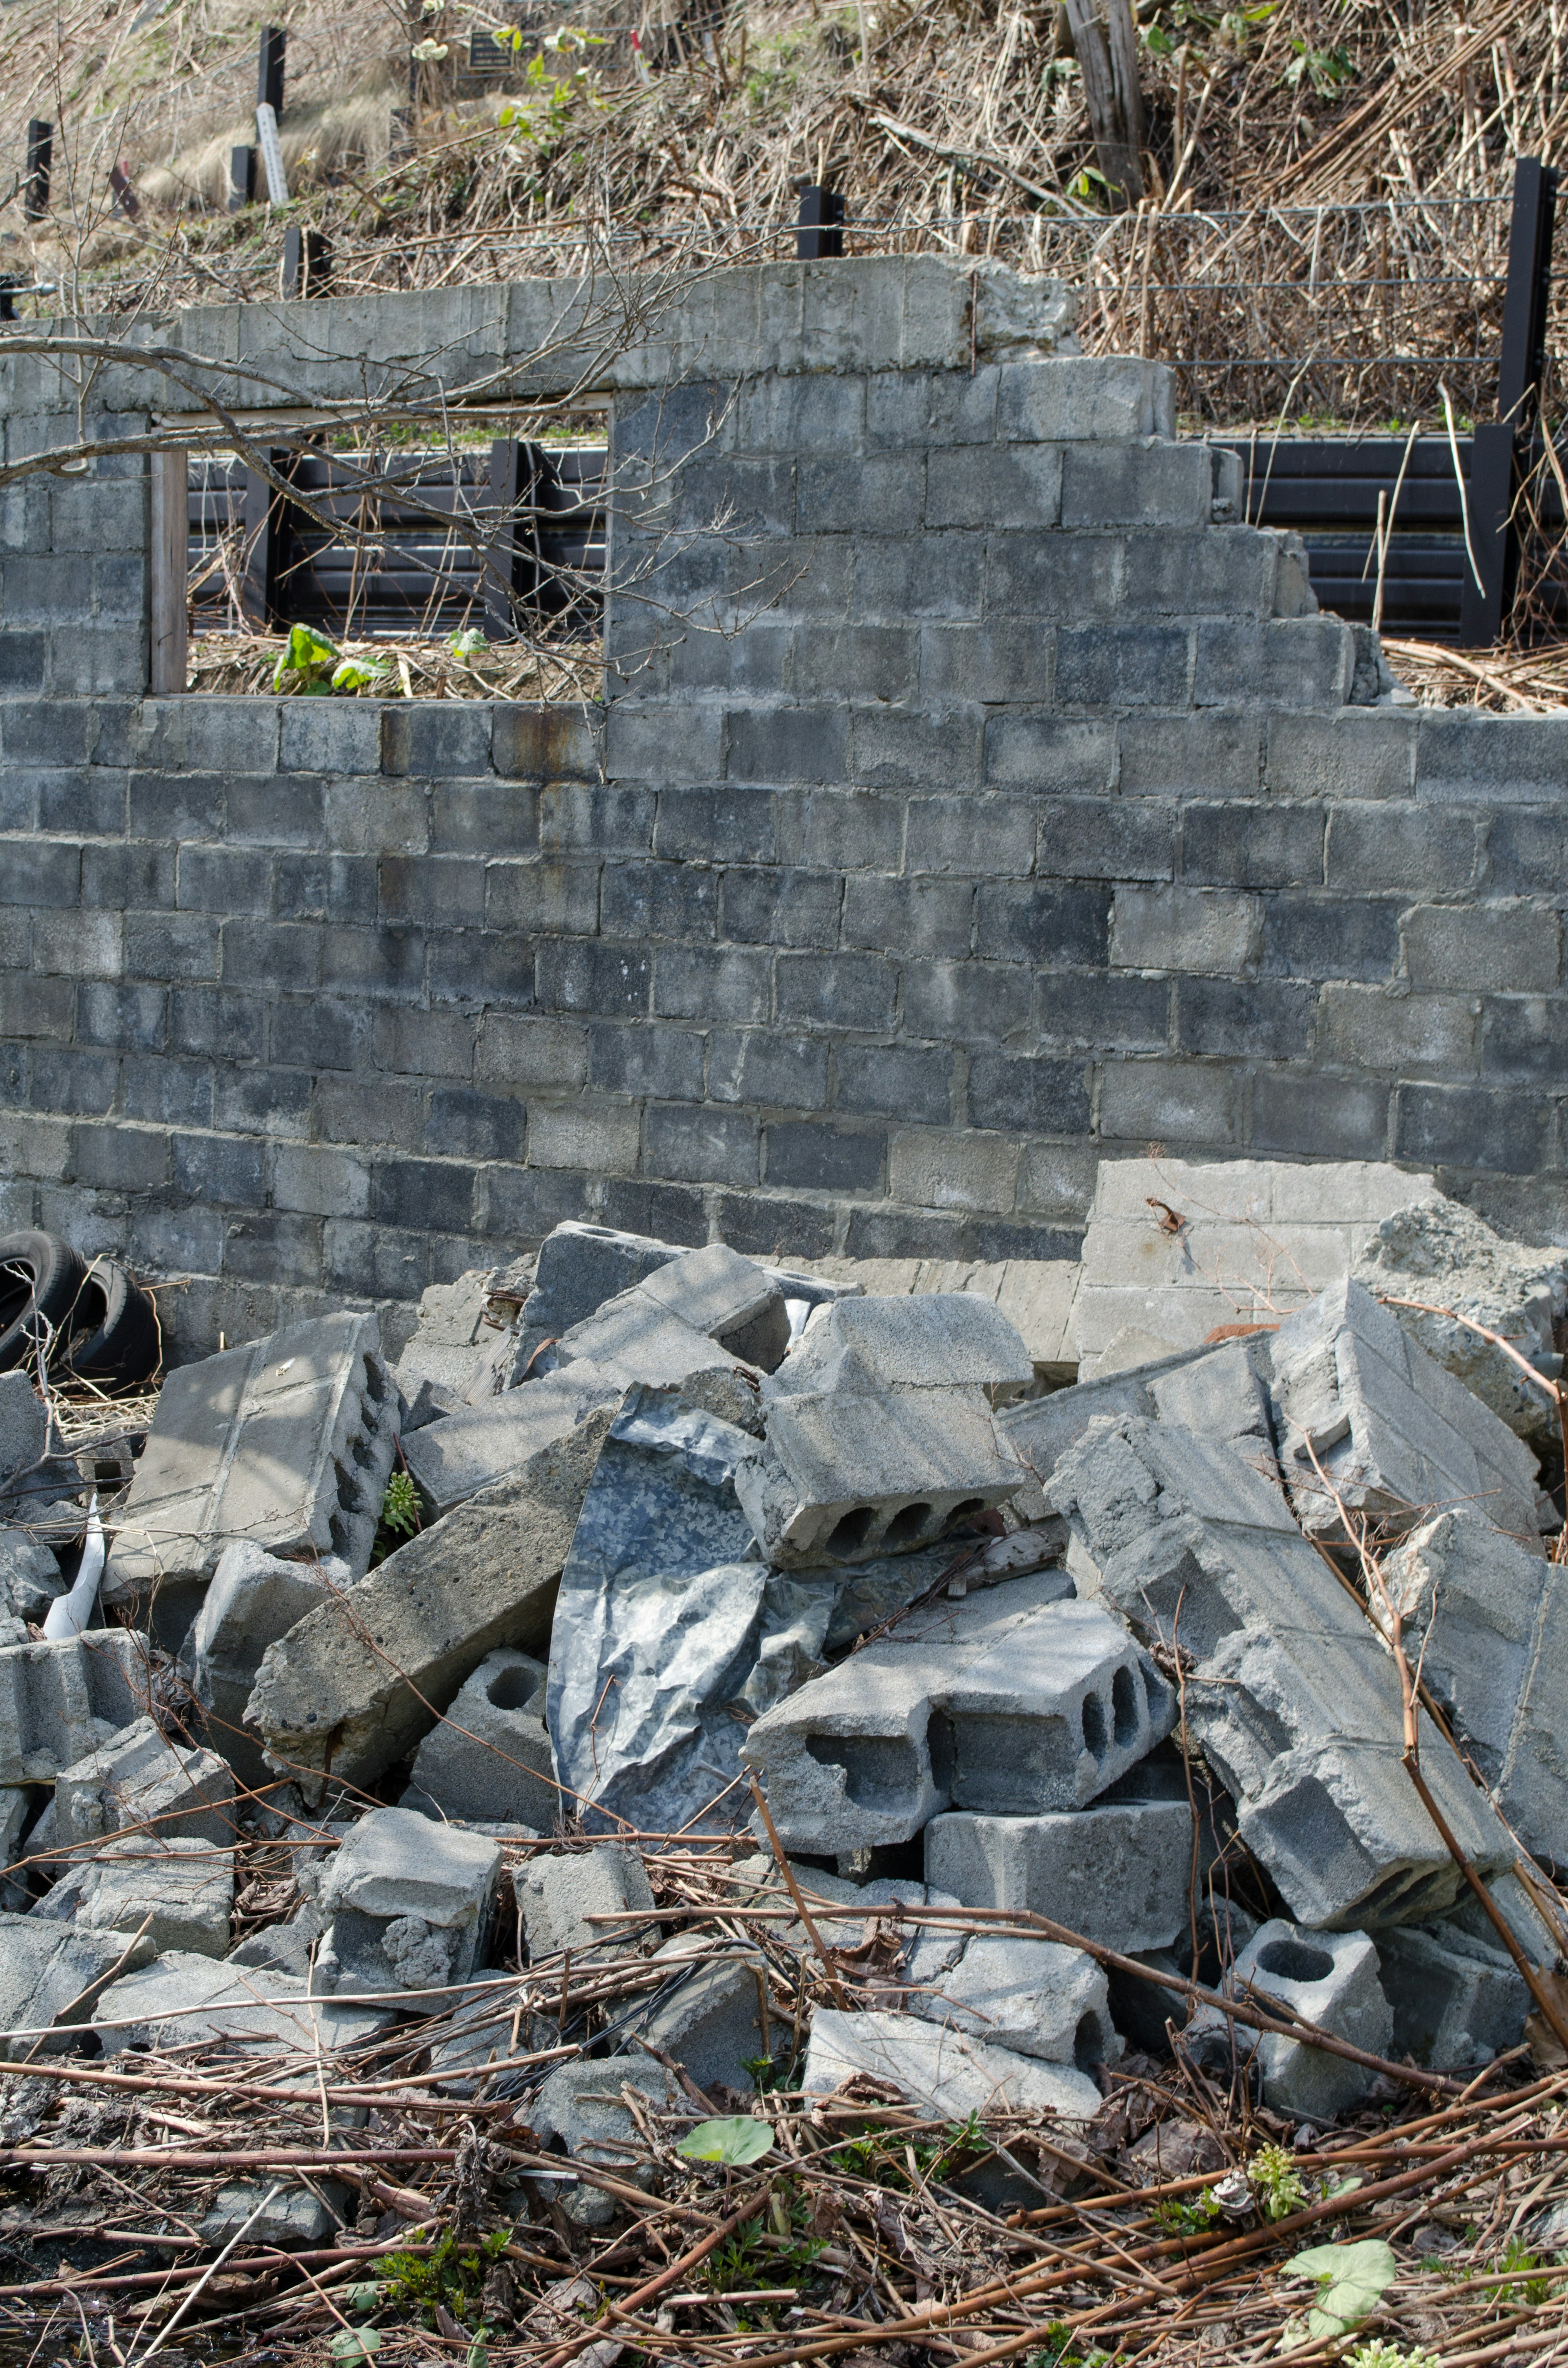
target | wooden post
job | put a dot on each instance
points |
(1497, 445)
(40, 157)
(1106, 47)
(170, 570)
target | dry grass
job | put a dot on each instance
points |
(419, 669)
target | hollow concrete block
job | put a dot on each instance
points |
(254, 1598)
(58, 1700)
(1329, 1978)
(490, 1756)
(1456, 2001)
(1034, 1996)
(1118, 1875)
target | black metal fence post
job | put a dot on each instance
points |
(819, 226)
(273, 49)
(1498, 444)
(307, 262)
(41, 158)
(242, 178)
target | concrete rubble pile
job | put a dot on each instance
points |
(627, 1542)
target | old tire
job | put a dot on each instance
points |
(41, 1282)
(123, 1345)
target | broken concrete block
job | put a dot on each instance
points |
(1329, 1978)
(1363, 1414)
(455, 1348)
(451, 1461)
(1175, 1249)
(1036, 1295)
(1441, 1252)
(581, 2108)
(880, 1433)
(1034, 1996)
(300, 2216)
(582, 1266)
(139, 1778)
(29, 1579)
(721, 1293)
(16, 1808)
(24, 1428)
(944, 2073)
(1220, 1393)
(1517, 1910)
(186, 2002)
(185, 1886)
(712, 2014)
(1456, 2001)
(287, 1948)
(1117, 1876)
(51, 1978)
(636, 1340)
(559, 1891)
(1289, 1693)
(59, 1699)
(409, 1904)
(668, 1628)
(1487, 1622)
(287, 1443)
(1010, 1701)
(350, 1684)
(253, 1600)
(490, 1756)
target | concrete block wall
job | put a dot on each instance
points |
(973, 797)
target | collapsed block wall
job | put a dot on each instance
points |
(974, 796)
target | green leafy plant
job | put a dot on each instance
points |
(1324, 70)
(351, 2345)
(308, 656)
(1517, 2255)
(1352, 2280)
(400, 1506)
(1179, 2219)
(362, 2298)
(1379, 2354)
(450, 2274)
(362, 674)
(741, 2138)
(1277, 2183)
(1060, 2349)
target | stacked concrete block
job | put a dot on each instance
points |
(880, 1432)
(1485, 1621)
(255, 1597)
(61, 1700)
(1010, 1701)
(1289, 1693)
(287, 1444)
(1368, 1424)
(1174, 1251)
(1327, 1978)
(1119, 1875)
(409, 1904)
(177, 1889)
(139, 1779)
(490, 1756)
(357, 1683)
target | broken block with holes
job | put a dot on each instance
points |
(1035, 1996)
(708, 1308)
(1488, 1621)
(287, 1443)
(409, 1904)
(1367, 1421)
(140, 1778)
(184, 1885)
(489, 1758)
(1457, 2001)
(880, 1433)
(1219, 1391)
(58, 1700)
(1329, 1978)
(254, 1598)
(1289, 1693)
(453, 1460)
(1010, 1701)
(1118, 1874)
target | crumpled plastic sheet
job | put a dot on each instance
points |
(665, 1618)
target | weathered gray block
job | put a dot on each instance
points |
(1118, 1875)
(453, 1460)
(1216, 1392)
(452, 1346)
(485, 2031)
(582, 1266)
(558, 1891)
(297, 2217)
(253, 1598)
(1488, 1624)
(711, 2020)
(1009, 1702)
(1252, 1239)
(1362, 1413)
(30, 1580)
(24, 1428)
(634, 1339)
(1289, 1693)
(944, 2073)
(1329, 1978)
(1034, 1996)
(580, 2107)
(1442, 1252)
(139, 1778)
(933, 1340)
(184, 1885)
(59, 1699)
(349, 1686)
(287, 1443)
(1456, 2001)
(50, 1980)
(186, 2002)
(490, 1756)
(409, 1904)
(723, 1295)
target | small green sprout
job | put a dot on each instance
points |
(400, 1506)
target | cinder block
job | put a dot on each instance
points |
(1514, 947)
(1417, 849)
(953, 1170)
(1329, 1978)
(1456, 2001)
(1136, 484)
(1306, 662)
(920, 916)
(58, 1699)
(1184, 930)
(1216, 754)
(980, 485)
(1373, 1027)
(1359, 753)
(1117, 1875)
(1124, 666)
(1252, 845)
